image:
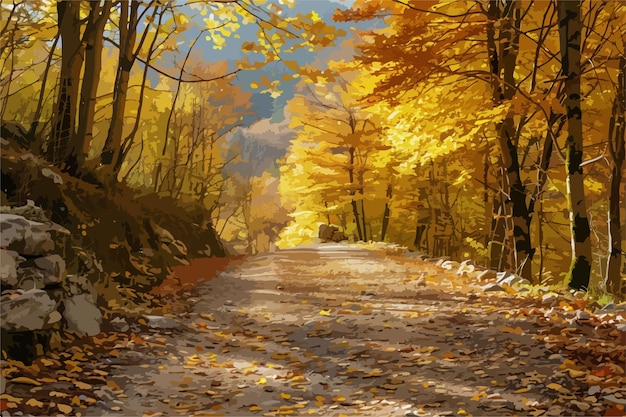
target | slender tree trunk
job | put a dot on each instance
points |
(570, 27)
(93, 39)
(32, 132)
(486, 205)
(128, 32)
(386, 214)
(617, 130)
(355, 207)
(498, 253)
(362, 204)
(64, 121)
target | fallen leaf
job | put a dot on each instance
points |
(325, 312)
(556, 387)
(25, 380)
(262, 381)
(34, 403)
(82, 385)
(518, 330)
(64, 408)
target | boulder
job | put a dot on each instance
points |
(338, 236)
(9, 261)
(330, 233)
(25, 236)
(30, 310)
(82, 315)
(30, 278)
(325, 232)
(488, 275)
(53, 268)
(29, 211)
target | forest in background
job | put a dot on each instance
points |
(471, 129)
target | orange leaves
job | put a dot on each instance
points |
(518, 330)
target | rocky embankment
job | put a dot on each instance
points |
(41, 294)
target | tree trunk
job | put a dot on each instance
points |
(383, 232)
(498, 253)
(617, 131)
(63, 124)
(502, 60)
(355, 207)
(570, 27)
(128, 32)
(93, 39)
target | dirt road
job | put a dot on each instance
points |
(334, 330)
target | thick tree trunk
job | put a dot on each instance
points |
(617, 130)
(64, 120)
(570, 27)
(93, 39)
(503, 50)
(516, 203)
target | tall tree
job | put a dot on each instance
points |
(617, 132)
(72, 53)
(93, 40)
(570, 34)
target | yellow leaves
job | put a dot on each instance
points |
(315, 17)
(255, 408)
(339, 399)
(478, 396)
(261, 381)
(34, 403)
(64, 408)
(285, 396)
(25, 380)
(559, 388)
(325, 312)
